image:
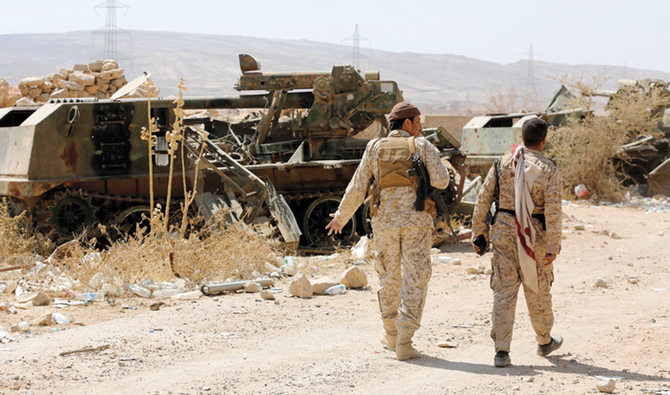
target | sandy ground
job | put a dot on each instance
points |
(238, 343)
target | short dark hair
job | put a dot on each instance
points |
(397, 123)
(533, 131)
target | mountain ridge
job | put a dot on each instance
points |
(439, 83)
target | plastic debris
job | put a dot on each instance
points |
(188, 295)
(60, 319)
(360, 250)
(5, 337)
(581, 191)
(336, 289)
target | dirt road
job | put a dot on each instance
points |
(241, 344)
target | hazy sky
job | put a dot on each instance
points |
(611, 32)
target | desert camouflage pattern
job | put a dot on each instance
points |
(404, 268)
(547, 194)
(396, 209)
(402, 236)
(506, 276)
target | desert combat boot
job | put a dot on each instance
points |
(389, 334)
(546, 349)
(403, 348)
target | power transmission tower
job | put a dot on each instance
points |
(531, 97)
(356, 48)
(111, 31)
(530, 79)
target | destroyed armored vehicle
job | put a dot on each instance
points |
(74, 163)
(488, 137)
(648, 151)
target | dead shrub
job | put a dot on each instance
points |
(211, 254)
(18, 237)
(585, 148)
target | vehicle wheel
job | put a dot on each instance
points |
(72, 213)
(317, 216)
(363, 220)
(127, 220)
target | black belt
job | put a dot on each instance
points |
(539, 217)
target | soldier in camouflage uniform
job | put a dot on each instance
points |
(402, 234)
(506, 275)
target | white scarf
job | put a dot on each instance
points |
(523, 206)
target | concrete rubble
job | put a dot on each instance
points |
(99, 79)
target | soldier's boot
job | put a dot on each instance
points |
(389, 335)
(502, 359)
(403, 348)
(546, 349)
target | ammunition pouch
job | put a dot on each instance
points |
(395, 158)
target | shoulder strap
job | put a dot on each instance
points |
(412, 147)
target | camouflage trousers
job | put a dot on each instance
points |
(506, 278)
(404, 268)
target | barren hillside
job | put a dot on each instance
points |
(439, 83)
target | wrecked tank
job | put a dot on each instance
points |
(310, 138)
(75, 163)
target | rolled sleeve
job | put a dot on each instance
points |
(439, 176)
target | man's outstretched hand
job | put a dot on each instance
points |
(334, 226)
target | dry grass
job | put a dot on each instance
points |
(17, 236)
(212, 254)
(585, 148)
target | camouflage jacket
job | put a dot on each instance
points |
(547, 195)
(396, 209)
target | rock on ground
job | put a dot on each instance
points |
(606, 386)
(354, 278)
(300, 286)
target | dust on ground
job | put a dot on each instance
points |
(239, 343)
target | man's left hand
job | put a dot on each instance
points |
(334, 226)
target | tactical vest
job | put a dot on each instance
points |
(395, 158)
